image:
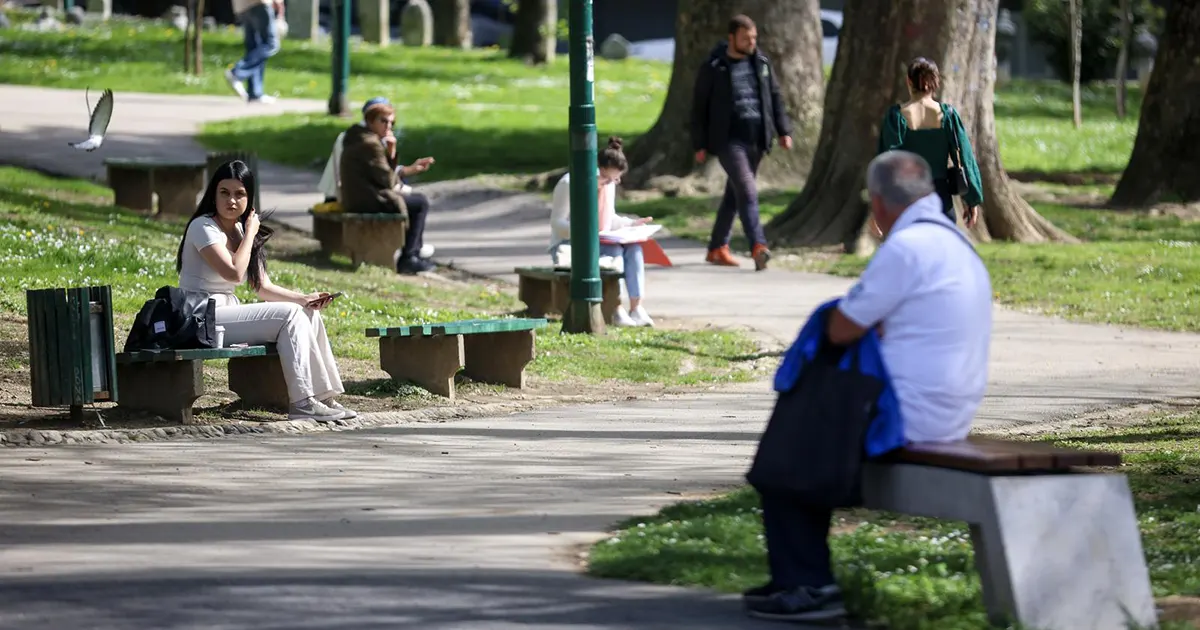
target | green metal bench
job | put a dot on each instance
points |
(168, 382)
(547, 291)
(365, 238)
(487, 350)
(135, 181)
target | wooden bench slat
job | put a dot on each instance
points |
(991, 455)
(464, 327)
(152, 163)
(552, 273)
(198, 354)
(359, 216)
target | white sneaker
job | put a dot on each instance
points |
(641, 318)
(426, 251)
(313, 409)
(336, 406)
(622, 318)
(237, 86)
(265, 99)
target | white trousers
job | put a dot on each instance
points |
(299, 334)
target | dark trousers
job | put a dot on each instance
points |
(740, 162)
(797, 542)
(942, 187)
(414, 236)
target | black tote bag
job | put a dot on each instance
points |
(814, 444)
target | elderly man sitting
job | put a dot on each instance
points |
(331, 180)
(929, 296)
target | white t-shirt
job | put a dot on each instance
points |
(196, 274)
(560, 211)
(934, 297)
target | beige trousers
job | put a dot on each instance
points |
(299, 334)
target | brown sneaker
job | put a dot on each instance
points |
(762, 256)
(721, 257)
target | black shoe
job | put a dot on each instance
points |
(414, 265)
(803, 604)
(759, 594)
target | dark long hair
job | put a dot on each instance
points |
(235, 169)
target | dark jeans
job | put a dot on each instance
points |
(797, 542)
(261, 43)
(414, 236)
(942, 187)
(741, 196)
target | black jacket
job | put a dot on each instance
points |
(712, 106)
(167, 323)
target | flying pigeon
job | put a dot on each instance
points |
(99, 122)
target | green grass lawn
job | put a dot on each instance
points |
(1132, 268)
(65, 233)
(915, 573)
(477, 111)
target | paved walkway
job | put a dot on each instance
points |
(252, 531)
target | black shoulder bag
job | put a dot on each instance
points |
(956, 174)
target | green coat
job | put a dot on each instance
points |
(935, 146)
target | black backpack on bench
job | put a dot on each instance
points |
(166, 323)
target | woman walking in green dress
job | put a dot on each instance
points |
(934, 131)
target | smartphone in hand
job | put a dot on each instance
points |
(325, 300)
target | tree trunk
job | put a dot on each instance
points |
(868, 76)
(198, 40)
(535, 32)
(1076, 19)
(789, 33)
(452, 23)
(187, 36)
(1166, 154)
(1123, 56)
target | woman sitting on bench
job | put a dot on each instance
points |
(222, 248)
(612, 164)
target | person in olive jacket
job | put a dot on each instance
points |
(372, 180)
(736, 115)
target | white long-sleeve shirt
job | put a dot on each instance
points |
(560, 211)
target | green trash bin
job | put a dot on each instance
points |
(72, 358)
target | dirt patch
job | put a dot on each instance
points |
(1180, 608)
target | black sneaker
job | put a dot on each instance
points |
(414, 265)
(759, 593)
(802, 604)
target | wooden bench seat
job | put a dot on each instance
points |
(547, 291)
(365, 238)
(489, 351)
(1056, 547)
(168, 382)
(135, 182)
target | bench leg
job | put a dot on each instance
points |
(430, 362)
(328, 233)
(538, 296)
(499, 357)
(611, 296)
(373, 242)
(177, 190)
(133, 189)
(167, 388)
(1063, 551)
(259, 382)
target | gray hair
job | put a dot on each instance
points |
(899, 178)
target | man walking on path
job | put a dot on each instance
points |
(262, 42)
(736, 115)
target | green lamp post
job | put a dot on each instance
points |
(338, 103)
(583, 312)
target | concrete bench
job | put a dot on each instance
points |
(168, 382)
(1056, 548)
(489, 351)
(135, 181)
(365, 238)
(547, 291)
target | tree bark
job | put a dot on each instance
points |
(198, 40)
(789, 33)
(452, 23)
(1166, 154)
(535, 32)
(1076, 19)
(1123, 56)
(868, 76)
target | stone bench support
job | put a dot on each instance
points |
(548, 294)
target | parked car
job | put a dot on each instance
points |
(664, 49)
